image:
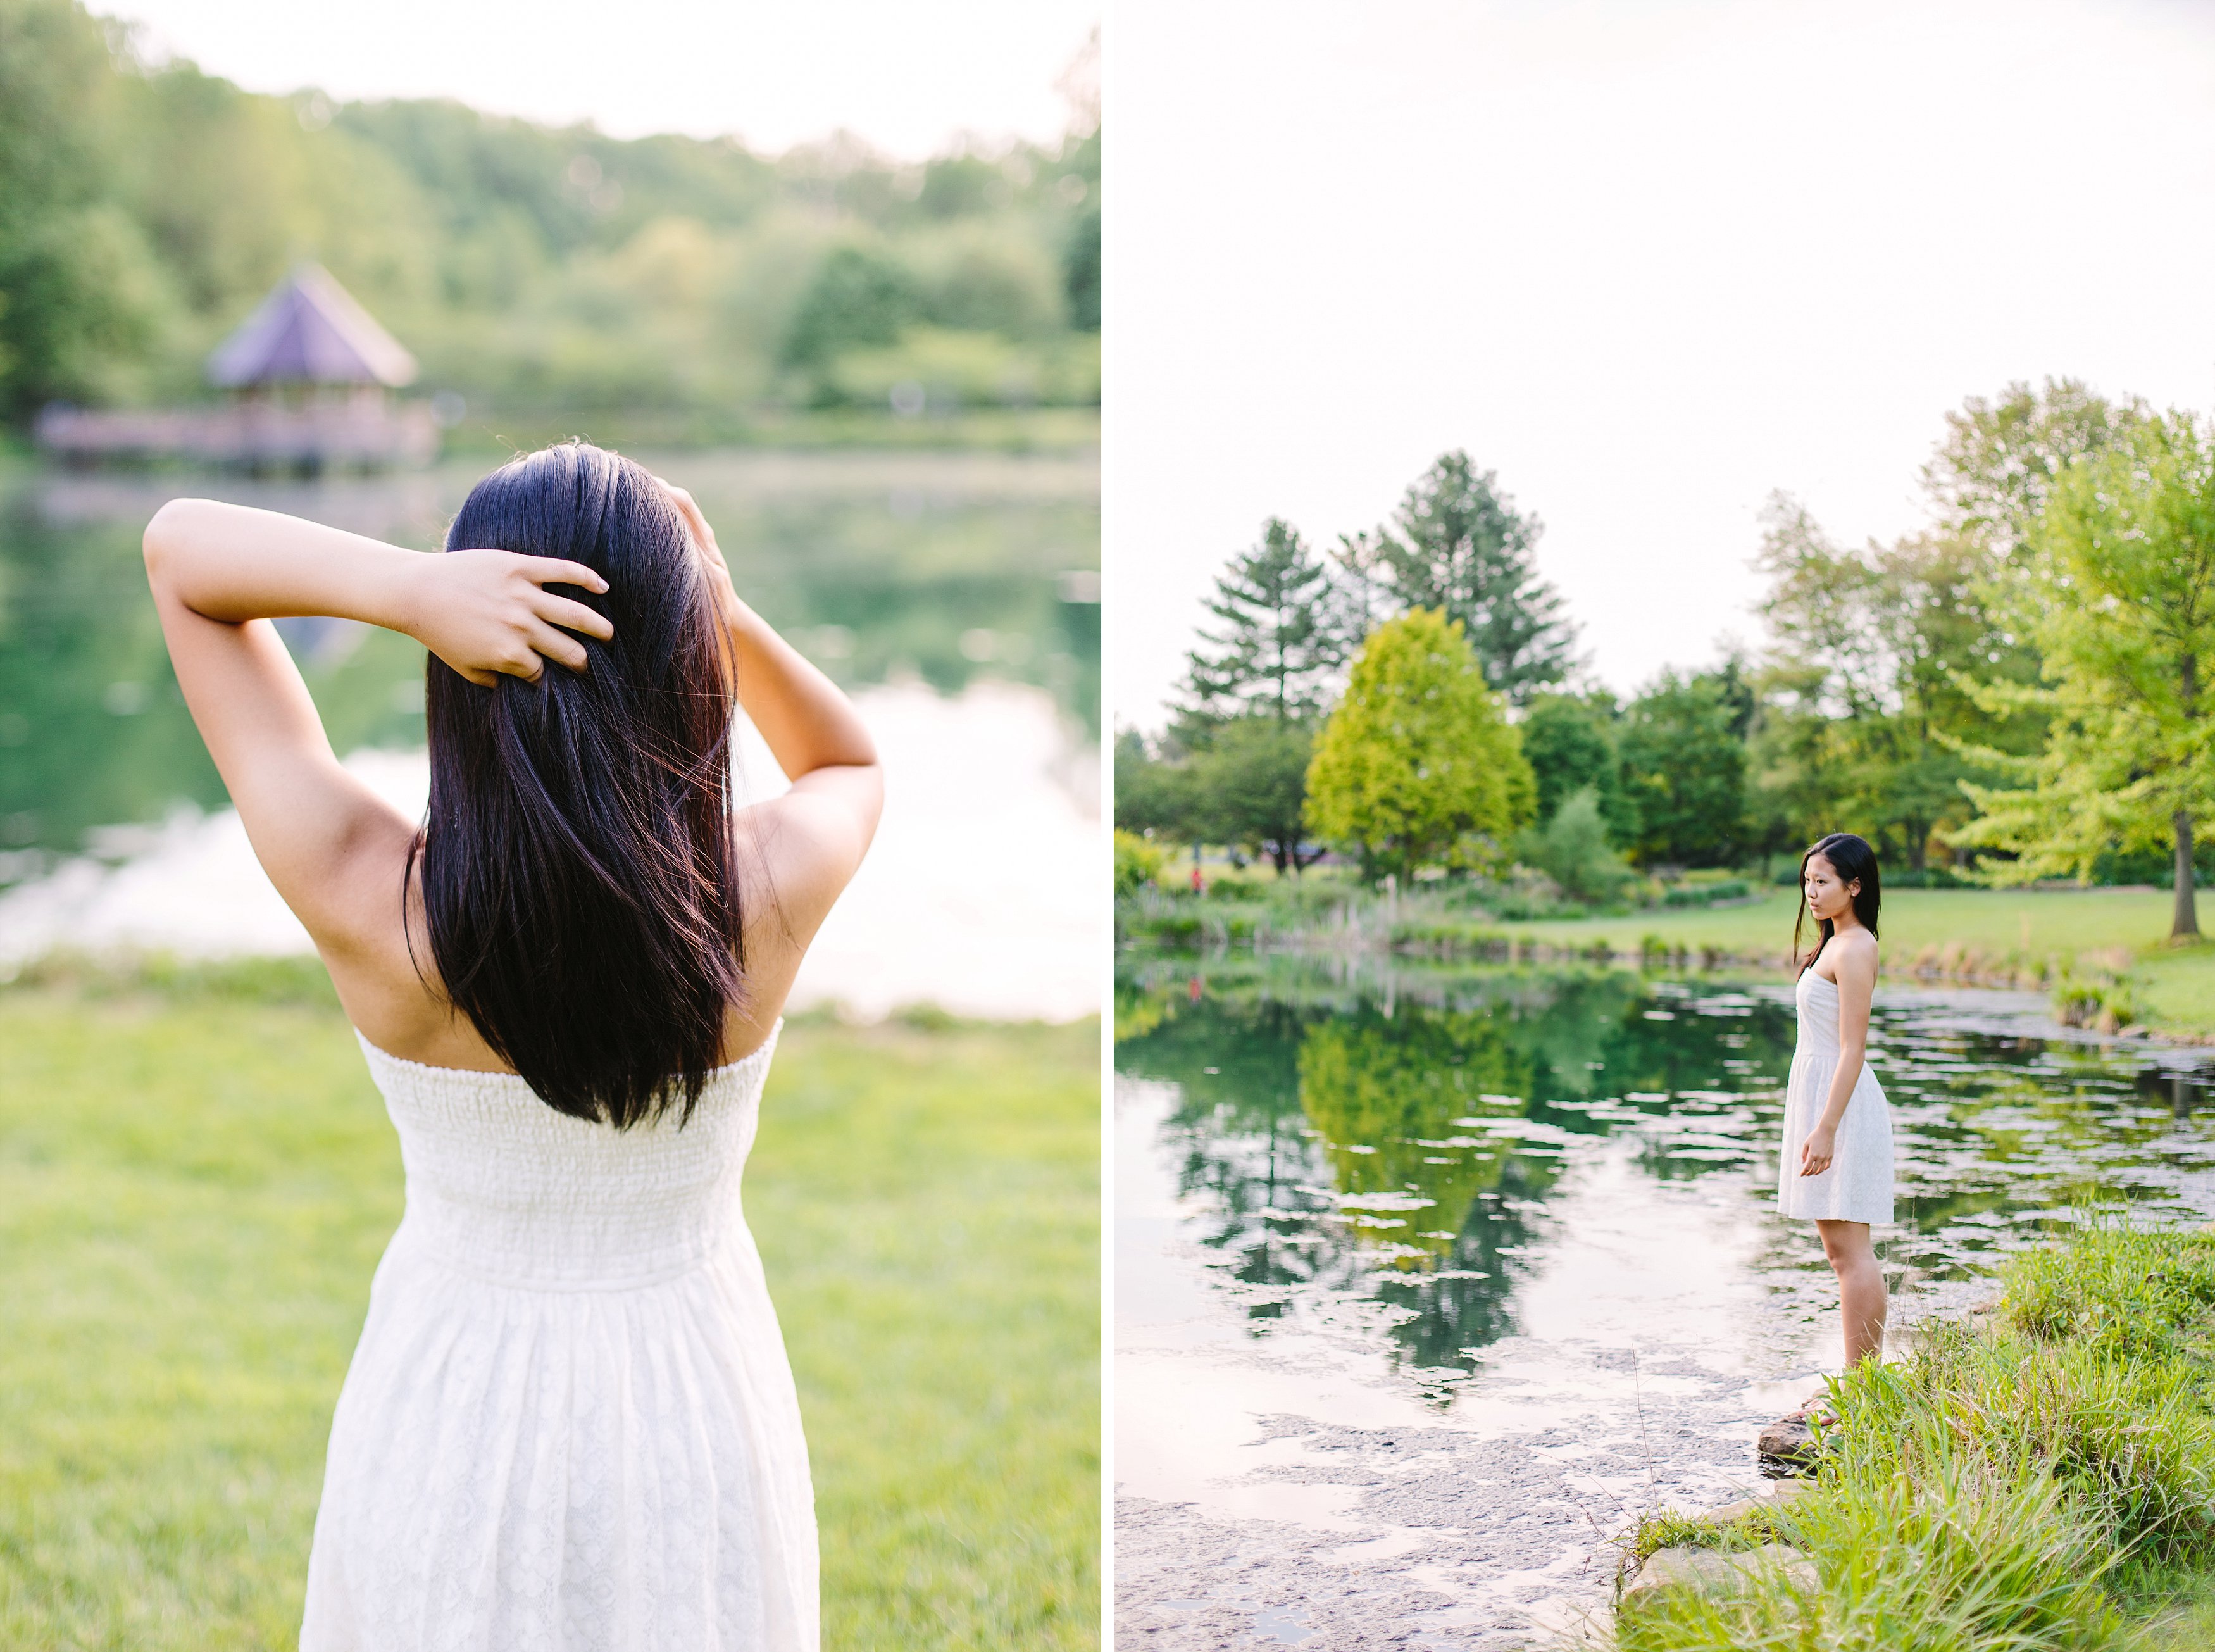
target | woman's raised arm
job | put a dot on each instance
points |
(484, 612)
(220, 572)
(814, 837)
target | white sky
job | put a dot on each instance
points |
(1648, 260)
(909, 78)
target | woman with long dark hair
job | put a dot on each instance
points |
(1835, 1167)
(570, 1421)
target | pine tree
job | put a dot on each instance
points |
(1277, 647)
(1457, 543)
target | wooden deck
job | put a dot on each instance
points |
(364, 433)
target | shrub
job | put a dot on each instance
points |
(1138, 862)
(1573, 849)
(1706, 894)
(2102, 1000)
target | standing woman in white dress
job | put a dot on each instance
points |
(1835, 1167)
(570, 1422)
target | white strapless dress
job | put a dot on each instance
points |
(1857, 1188)
(570, 1425)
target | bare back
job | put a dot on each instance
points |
(341, 857)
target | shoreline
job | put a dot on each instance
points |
(2084, 952)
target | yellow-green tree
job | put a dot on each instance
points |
(1417, 766)
(2120, 599)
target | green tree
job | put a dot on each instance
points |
(1457, 543)
(1572, 848)
(2000, 458)
(1249, 787)
(1153, 796)
(1080, 270)
(1569, 741)
(1361, 597)
(1870, 704)
(1418, 766)
(79, 292)
(2120, 597)
(855, 298)
(1866, 684)
(1275, 648)
(1683, 742)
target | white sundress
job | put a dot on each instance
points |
(1857, 1188)
(570, 1422)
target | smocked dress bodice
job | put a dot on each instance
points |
(506, 1189)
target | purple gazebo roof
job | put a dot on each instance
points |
(310, 330)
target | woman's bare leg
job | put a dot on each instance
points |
(1861, 1301)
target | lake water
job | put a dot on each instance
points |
(1426, 1284)
(957, 596)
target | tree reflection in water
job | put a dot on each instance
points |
(1390, 1150)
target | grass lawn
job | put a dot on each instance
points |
(195, 1187)
(2174, 987)
(2032, 922)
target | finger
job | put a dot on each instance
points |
(688, 508)
(558, 646)
(524, 662)
(552, 570)
(574, 617)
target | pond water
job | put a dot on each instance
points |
(1426, 1284)
(956, 595)
(942, 569)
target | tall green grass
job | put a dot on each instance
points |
(2042, 1480)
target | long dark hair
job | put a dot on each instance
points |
(1854, 861)
(576, 863)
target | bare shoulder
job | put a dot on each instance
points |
(800, 849)
(373, 938)
(1857, 956)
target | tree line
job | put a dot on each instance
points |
(2016, 692)
(145, 207)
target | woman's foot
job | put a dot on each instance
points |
(1788, 1446)
(1816, 1408)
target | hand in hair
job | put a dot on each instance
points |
(488, 613)
(711, 554)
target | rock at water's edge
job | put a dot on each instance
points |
(1788, 1446)
(1785, 1491)
(1712, 1570)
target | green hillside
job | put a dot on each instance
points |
(535, 273)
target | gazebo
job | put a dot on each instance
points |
(309, 332)
(311, 377)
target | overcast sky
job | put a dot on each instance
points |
(1647, 260)
(909, 77)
